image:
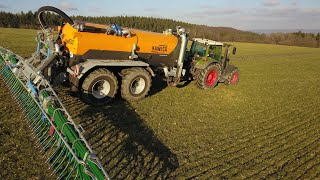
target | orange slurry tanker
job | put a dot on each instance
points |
(98, 60)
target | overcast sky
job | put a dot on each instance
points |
(240, 14)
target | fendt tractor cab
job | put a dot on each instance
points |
(209, 65)
(205, 48)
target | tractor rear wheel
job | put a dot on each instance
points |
(136, 84)
(208, 77)
(99, 87)
(232, 77)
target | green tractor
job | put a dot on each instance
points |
(209, 65)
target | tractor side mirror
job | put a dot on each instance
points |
(234, 50)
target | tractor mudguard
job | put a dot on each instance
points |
(229, 69)
(228, 76)
(205, 62)
(226, 71)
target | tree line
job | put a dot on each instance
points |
(29, 20)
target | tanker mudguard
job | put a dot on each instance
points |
(92, 63)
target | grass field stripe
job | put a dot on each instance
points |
(257, 130)
(251, 151)
(223, 150)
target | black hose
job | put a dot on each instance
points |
(94, 29)
(46, 63)
(52, 9)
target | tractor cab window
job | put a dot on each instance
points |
(211, 51)
(199, 48)
(215, 51)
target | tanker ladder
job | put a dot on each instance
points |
(69, 154)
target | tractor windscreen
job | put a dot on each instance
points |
(199, 49)
(215, 51)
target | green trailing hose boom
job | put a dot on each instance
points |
(28, 80)
(67, 150)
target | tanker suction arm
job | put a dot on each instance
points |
(184, 38)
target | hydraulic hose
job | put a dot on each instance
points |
(46, 63)
(116, 29)
(55, 10)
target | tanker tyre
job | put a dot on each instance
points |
(99, 87)
(232, 78)
(208, 77)
(136, 84)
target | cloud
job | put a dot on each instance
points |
(95, 9)
(2, 6)
(276, 12)
(290, 13)
(149, 9)
(271, 3)
(284, 17)
(281, 16)
(228, 11)
(311, 11)
(220, 11)
(66, 6)
(294, 3)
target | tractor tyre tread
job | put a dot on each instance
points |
(229, 77)
(201, 79)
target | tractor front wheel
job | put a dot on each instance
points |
(136, 84)
(232, 77)
(99, 87)
(208, 77)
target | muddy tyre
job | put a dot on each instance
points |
(136, 83)
(99, 87)
(208, 77)
(232, 78)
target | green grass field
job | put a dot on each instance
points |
(266, 126)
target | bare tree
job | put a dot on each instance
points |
(276, 37)
(318, 40)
